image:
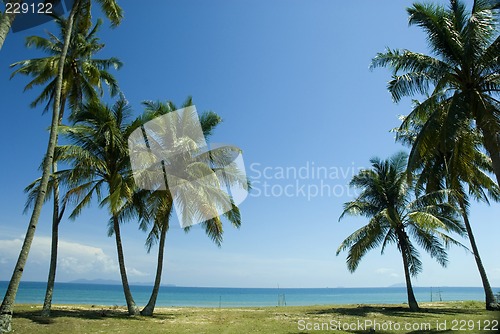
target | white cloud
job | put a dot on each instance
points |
(75, 260)
(387, 271)
(135, 272)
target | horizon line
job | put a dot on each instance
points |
(171, 285)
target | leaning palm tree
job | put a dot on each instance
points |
(457, 164)
(160, 202)
(6, 309)
(83, 79)
(100, 167)
(460, 78)
(83, 9)
(395, 216)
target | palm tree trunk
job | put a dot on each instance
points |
(149, 308)
(131, 307)
(412, 301)
(490, 297)
(6, 309)
(47, 303)
(6, 20)
(56, 219)
(491, 142)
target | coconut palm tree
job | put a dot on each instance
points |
(100, 167)
(83, 9)
(460, 78)
(458, 164)
(395, 216)
(159, 203)
(82, 80)
(6, 308)
(84, 75)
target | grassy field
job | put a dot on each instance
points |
(450, 317)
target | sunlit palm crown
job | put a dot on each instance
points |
(460, 80)
(395, 216)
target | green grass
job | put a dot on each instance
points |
(291, 319)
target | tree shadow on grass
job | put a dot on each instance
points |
(425, 314)
(395, 311)
(97, 313)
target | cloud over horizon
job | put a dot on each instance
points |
(75, 260)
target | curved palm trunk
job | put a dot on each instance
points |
(56, 219)
(57, 214)
(494, 154)
(47, 303)
(149, 308)
(490, 297)
(491, 142)
(412, 301)
(6, 309)
(6, 20)
(131, 307)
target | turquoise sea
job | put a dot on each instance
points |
(102, 294)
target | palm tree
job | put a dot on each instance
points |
(386, 199)
(82, 7)
(460, 78)
(82, 80)
(6, 309)
(84, 76)
(159, 202)
(6, 20)
(100, 167)
(460, 165)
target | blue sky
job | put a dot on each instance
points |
(291, 81)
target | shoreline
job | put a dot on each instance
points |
(436, 304)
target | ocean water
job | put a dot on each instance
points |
(101, 294)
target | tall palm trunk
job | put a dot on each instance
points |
(6, 20)
(492, 146)
(412, 301)
(131, 307)
(6, 309)
(490, 297)
(403, 245)
(149, 308)
(56, 219)
(57, 214)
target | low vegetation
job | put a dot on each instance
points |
(290, 319)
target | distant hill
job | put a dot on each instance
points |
(96, 281)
